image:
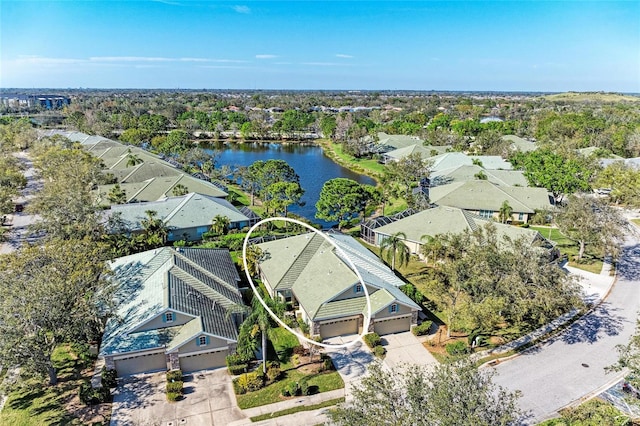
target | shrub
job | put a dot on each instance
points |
(248, 383)
(273, 373)
(292, 389)
(174, 375)
(456, 348)
(422, 329)
(295, 360)
(175, 386)
(173, 396)
(90, 396)
(304, 327)
(372, 340)
(327, 364)
(304, 386)
(235, 370)
(379, 351)
(109, 377)
(234, 359)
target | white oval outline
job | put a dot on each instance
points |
(278, 320)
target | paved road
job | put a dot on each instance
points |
(20, 222)
(571, 365)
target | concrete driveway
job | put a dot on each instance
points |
(405, 348)
(350, 362)
(208, 400)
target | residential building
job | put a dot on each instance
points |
(175, 308)
(317, 279)
(485, 199)
(186, 217)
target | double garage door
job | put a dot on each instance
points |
(339, 328)
(141, 364)
(392, 325)
(204, 361)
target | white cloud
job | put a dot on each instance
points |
(266, 56)
(342, 55)
(242, 9)
(129, 59)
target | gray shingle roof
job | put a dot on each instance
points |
(198, 282)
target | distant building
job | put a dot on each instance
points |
(13, 100)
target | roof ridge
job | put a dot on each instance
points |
(201, 287)
(146, 184)
(205, 271)
(175, 211)
(135, 169)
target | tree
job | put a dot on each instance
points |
(66, 204)
(560, 174)
(220, 224)
(504, 215)
(394, 247)
(117, 195)
(590, 222)
(254, 256)
(624, 182)
(342, 199)
(262, 174)
(133, 160)
(450, 394)
(154, 230)
(51, 294)
(431, 248)
(281, 195)
(179, 190)
(406, 173)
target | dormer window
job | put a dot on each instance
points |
(358, 288)
(168, 317)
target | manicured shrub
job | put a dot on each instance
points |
(422, 329)
(372, 340)
(175, 386)
(304, 386)
(248, 383)
(174, 375)
(173, 396)
(456, 348)
(234, 359)
(109, 378)
(327, 364)
(235, 370)
(273, 373)
(292, 389)
(379, 351)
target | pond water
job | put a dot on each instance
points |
(309, 161)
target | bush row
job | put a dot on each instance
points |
(175, 385)
(422, 329)
(374, 341)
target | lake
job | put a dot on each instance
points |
(309, 161)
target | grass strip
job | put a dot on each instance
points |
(293, 410)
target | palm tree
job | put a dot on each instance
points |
(132, 159)
(254, 255)
(154, 229)
(505, 212)
(431, 248)
(180, 190)
(393, 246)
(220, 224)
(261, 324)
(117, 195)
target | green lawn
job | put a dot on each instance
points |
(34, 403)
(325, 381)
(590, 262)
(298, 409)
(283, 342)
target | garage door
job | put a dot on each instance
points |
(141, 364)
(394, 325)
(339, 328)
(203, 361)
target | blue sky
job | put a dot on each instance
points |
(421, 45)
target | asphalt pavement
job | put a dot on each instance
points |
(571, 366)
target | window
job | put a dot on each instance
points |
(487, 214)
(393, 308)
(168, 317)
(520, 217)
(202, 341)
(357, 288)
